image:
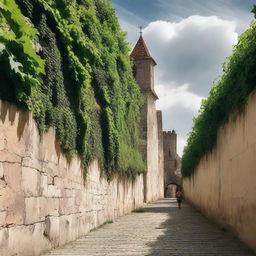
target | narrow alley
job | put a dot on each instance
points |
(162, 229)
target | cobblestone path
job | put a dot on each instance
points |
(161, 230)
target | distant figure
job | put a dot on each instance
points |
(179, 196)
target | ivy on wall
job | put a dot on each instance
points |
(75, 74)
(20, 66)
(228, 96)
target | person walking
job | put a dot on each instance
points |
(179, 196)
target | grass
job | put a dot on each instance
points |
(107, 222)
(103, 224)
(139, 210)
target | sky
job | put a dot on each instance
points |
(189, 40)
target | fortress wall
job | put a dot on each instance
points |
(223, 186)
(154, 174)
(45, 201)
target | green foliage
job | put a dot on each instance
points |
(87, 90)
(108, 222)
(228, 96)
(20, 66)
(139, 210)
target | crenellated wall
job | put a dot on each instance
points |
(45, 201)
(223, 185)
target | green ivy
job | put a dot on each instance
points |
(20, 66)
(228, 96)
(82, 77)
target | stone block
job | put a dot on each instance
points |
(69, 228)
(15, 210)
(4, 198)
(27, 240)
(42, 204)
(12, 173)
(52, 191)
(40, 241)
(3, 215)
(67, 206)
(64, 228)
(43, 184)
(32, 210)
(53, 206)
(30, 181)
(68, 192)
(6, 156)
(4, 237)
(20, 241)
(32, 162)
(52, 230)
(83, 225)
(12, 196)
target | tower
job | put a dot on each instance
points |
(144, 68)
(149, 146)
(144, 75)
(172, 163)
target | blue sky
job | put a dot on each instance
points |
(189, 39)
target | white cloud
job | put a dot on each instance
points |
(190, 51)
(171, 97)
(179, 106)
(225, 9)
(189, 56)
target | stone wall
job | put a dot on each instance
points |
(223, 186)
(160, 177)
(154, 175)
(45, 201)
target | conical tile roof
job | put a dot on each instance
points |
(141, 50)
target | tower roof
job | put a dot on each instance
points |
(140, 50)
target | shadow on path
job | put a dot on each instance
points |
(187, 232)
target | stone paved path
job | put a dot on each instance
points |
(161, 230)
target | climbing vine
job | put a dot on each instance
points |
(228, 95)
(20, 66)
(75, 75)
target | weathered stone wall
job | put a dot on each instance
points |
(45, 201)
(224, 183)
(160, 155)
(154, 175)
